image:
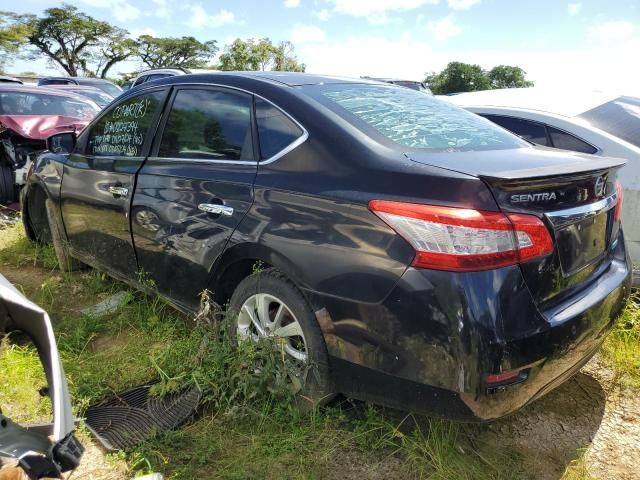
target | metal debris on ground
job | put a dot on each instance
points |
(110, 305)
(130, 418)
(9, 215)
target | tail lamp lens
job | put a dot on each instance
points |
(617, 212)
(460, 239)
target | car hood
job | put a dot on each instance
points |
(41, 127)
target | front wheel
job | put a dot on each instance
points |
(269, 305)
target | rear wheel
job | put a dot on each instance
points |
(7, 188)
(269, 305)
(65, 261)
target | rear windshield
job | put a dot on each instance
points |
(15, 103)
(415, 120)
(619, 117)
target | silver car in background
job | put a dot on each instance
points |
(583, 121)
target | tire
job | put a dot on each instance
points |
(316, 386)
(65, 261)
(7, 188)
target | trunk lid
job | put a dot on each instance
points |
(574, 194)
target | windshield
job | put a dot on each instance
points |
(110, 88)
(619, 117)
(17, 103)
(413, 119)
(97, 96)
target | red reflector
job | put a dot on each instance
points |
(617, 212)
(461, 239)
(504, 377)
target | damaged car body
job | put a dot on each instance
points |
(28, 116)
(43, 451)
(414, 254)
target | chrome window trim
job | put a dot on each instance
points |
(293, 145)
(560, 218)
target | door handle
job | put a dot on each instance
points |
(119, 191)
(216, 209)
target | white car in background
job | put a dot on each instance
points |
(587, 121)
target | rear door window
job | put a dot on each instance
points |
(208, 124)
(123, 130)
(276, 131)
(532, 131)
(566, 141)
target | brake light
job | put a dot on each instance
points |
(460, 239)
(617, 212)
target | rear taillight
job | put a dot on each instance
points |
(461, 239)
(617, 212)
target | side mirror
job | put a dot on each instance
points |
(62, 143)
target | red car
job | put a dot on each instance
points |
(28, 115)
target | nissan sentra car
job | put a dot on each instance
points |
(400, 249)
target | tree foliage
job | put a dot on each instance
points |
(508, 76)
(72, 40)
(184, 52)
(260, 54)
(463, 77)
(13, 34)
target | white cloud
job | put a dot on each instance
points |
(574, 8)
(360, 55)
(122, 10)
(200, 18)
(291, 3)
(375, 11)
(162, 10)
(444, 29)
(461, 4)
(306, 33)
(322, 15)
(612, 32)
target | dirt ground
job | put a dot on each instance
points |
(590, 412)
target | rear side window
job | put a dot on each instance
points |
(532, 131)
(619, 117)
(122, 131)
(208, 124)
(566, 141)
(276, 131)
(413, 119)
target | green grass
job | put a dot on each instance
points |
(249, 426)
(622, 346)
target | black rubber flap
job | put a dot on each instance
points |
(128, 419)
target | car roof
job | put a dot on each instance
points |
(79, 79)
(87, 88)
(567, 103)
(290, 79)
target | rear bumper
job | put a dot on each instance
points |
(430, 345)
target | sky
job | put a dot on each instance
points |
(590, 44)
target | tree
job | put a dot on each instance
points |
(507, 76)
(261, 55)
(13, 35)
(458, 77)
(72, 40)
(184, 52)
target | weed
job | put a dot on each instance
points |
(622, 346)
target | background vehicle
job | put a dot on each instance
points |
(100, 97)
(28, 115)
(40, 452)
(410, 253)
(157, 73)
(104, 85)
(412, 84)
(589, 122)
(11, 80)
